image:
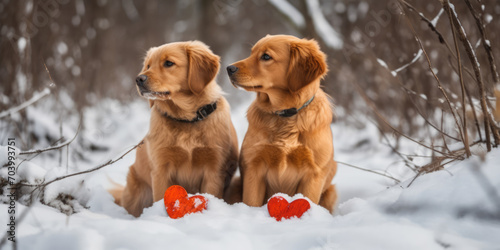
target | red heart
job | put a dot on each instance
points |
(279, 208)
(178, 204)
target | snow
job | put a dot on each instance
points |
(465, 34)
(446, 209)
(331, 38)
(62, 48)
(415, 58)
(396, 71)
(34, 98)
(21, 44)
(382, 63)
(488, 18)
(436, 18)
(290, 11)
(31, 172)
(197, 202)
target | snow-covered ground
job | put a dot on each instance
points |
(454, 209)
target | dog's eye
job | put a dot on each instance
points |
(266, 57)
(168, 64)
(148, 66)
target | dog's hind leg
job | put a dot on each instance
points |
(234, 192)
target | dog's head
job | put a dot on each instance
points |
(283, 62)
(173, 68)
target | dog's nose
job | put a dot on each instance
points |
(141, 80)
(231, 69)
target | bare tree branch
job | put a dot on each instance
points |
(34, 98)
(440, 87)
(485, 42)
(37, 151)
(368, 170)
(461, 77)
(475, 66)
(110, 162)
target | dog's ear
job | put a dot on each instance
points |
(307, 63)
(203, 66)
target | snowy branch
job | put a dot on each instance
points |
(288, 10)
(487, 114)
(33, 99)
(329, 36)
(420, 52)
(486, 42)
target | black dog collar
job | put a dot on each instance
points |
(293, 111)
(201, 114)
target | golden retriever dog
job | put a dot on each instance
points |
(288, 147)
(191, 140)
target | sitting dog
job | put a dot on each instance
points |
(288, 147)
(191, 140)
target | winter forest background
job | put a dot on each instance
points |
(89, 50)
(415, 84)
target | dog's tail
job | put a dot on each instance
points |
(116, 191)
(234, 192)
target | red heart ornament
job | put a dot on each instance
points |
(279, 208)
(178, 204)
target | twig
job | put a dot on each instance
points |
(34, 98)
(430, 24)
(369, 170)
(440, 87)
(495, 129)
(471, 104)
(3, 241)
(475, 66)
(441, 131)
(433, 166)
(459, 65)
(43, 185)
(29, 159)
(37, 151)
(381, 117)
(485, 41)
(405, 160)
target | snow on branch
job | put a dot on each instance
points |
(419, 53)
(33, 99)
(290, 12)
(329, 36)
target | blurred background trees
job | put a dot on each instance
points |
(94, 49)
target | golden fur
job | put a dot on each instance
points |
(286, 154)
(497, 107)
(200, 156)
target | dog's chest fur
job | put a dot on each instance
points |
(186, 148)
